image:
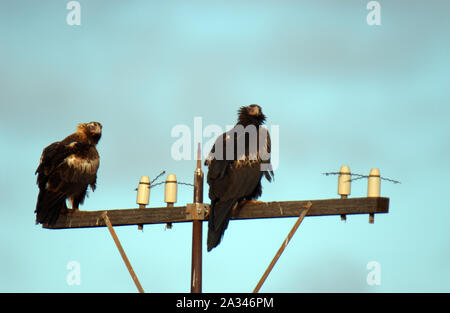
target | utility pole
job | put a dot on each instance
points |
(197, 213)
(197, 229)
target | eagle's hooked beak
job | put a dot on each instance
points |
(95, 128)
(254, 110)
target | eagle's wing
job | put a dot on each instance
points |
(59, 178)
(226, 191)
(233, 180)
(52, 156)
(219, 167)
(51, 200)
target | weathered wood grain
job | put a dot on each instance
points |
(276, 209)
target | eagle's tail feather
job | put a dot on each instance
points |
(48, 207)
(219, 217)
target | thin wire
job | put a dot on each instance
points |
(179, 183)
(359, 176)
(383, 178)
(391, 180)
(150, 183)
(157, 184)
(160, 174)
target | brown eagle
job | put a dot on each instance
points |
(236, 164)
(65, 171)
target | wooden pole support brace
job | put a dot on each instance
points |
(105, 217)
(197, 211)
(283, 246)
(308, 205)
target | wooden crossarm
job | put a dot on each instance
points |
(162, 215)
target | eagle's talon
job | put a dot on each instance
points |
(254, 201)
(245, 202)
(236, 208)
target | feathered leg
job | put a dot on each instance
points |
(78, 199)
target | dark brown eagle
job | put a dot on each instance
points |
(236, 164)
(66, 170)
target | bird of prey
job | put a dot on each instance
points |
(65, 171)
(236, 164)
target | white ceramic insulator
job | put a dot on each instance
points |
(143, 192)
(374, 184)
(344, 181)
(170, 193)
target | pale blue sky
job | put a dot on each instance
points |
(340, 91)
